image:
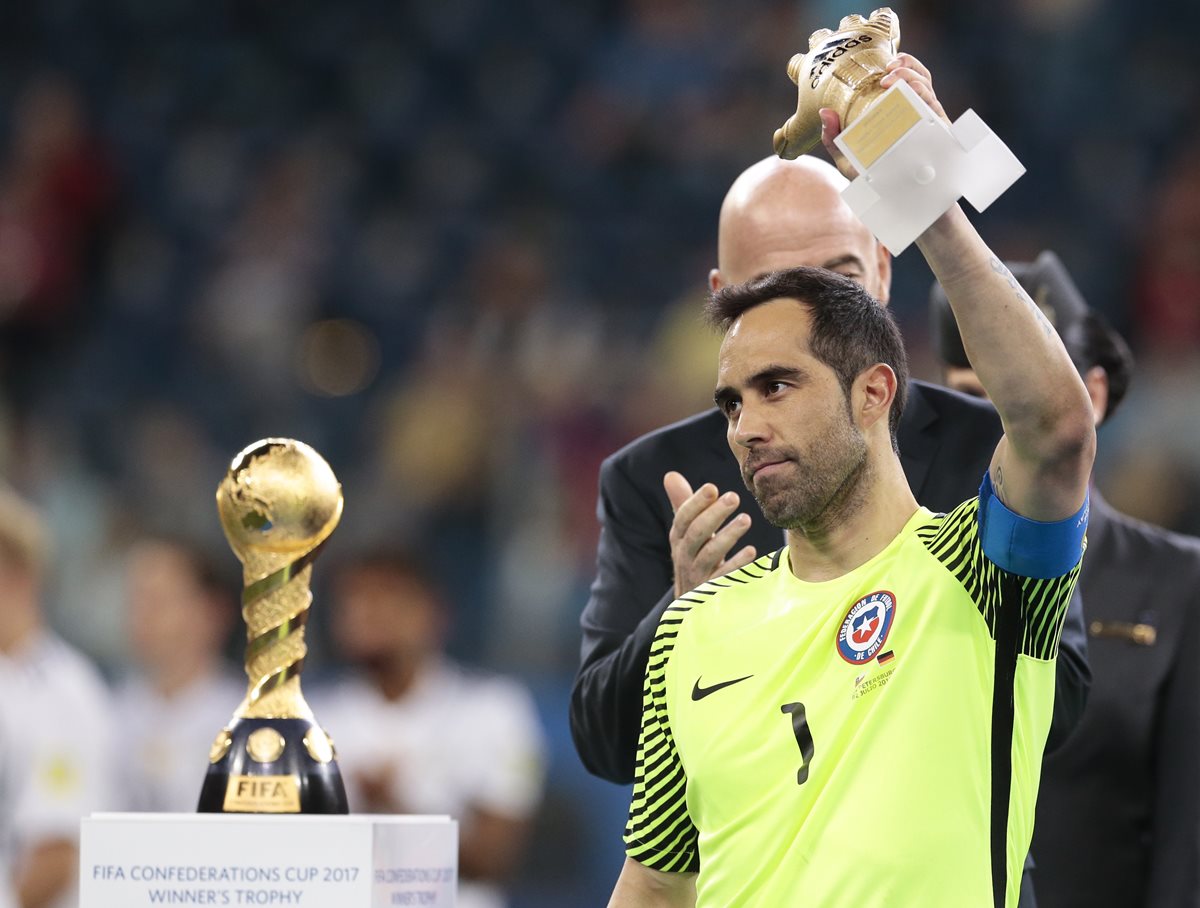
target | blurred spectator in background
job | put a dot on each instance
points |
(1169, 280)
(181, 610)
(11, 764)
(64, 715)
(417, 733)
(57, 190)
(1117, 824)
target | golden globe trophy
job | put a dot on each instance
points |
(911, 165)
(278, 504)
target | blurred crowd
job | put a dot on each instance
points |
(459, 248)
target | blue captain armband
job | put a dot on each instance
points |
(1029, 548)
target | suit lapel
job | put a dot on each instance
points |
(918, 442)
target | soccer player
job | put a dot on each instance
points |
(652, 548)
(859, 718)
(656, 544)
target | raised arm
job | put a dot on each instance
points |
(1042, 464)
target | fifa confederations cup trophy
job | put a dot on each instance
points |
(841, 71)
(912, 164)
(278, 504)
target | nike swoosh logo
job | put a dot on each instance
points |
(699, 693)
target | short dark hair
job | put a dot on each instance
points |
(1092, 341)
(851, 330)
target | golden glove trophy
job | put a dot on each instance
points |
(841, 71)
(278, 504)
(912, 164)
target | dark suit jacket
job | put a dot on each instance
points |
(946, 443)
(1118, 816)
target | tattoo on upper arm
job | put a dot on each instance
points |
(998, 482)
(1000, 268)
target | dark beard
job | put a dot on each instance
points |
(823, 483)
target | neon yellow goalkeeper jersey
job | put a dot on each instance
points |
(873, 740)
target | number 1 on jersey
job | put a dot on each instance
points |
(804, 739)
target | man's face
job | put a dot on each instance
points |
(789, 420)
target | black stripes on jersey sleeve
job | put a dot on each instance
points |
(953, 539)
(659, 833)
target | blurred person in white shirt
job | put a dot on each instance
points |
(63, 717)
(11, 769)
(417, 733)
(180, 611)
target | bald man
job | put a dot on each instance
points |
(659, 538)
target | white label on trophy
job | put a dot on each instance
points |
(916, 172)
(136, 860)
(880, 127)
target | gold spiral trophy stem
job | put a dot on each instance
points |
(275, 607)
(278, 504)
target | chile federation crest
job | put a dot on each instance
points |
(865, 628)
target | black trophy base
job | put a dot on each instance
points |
(272, 772)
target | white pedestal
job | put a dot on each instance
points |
(130, 860)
